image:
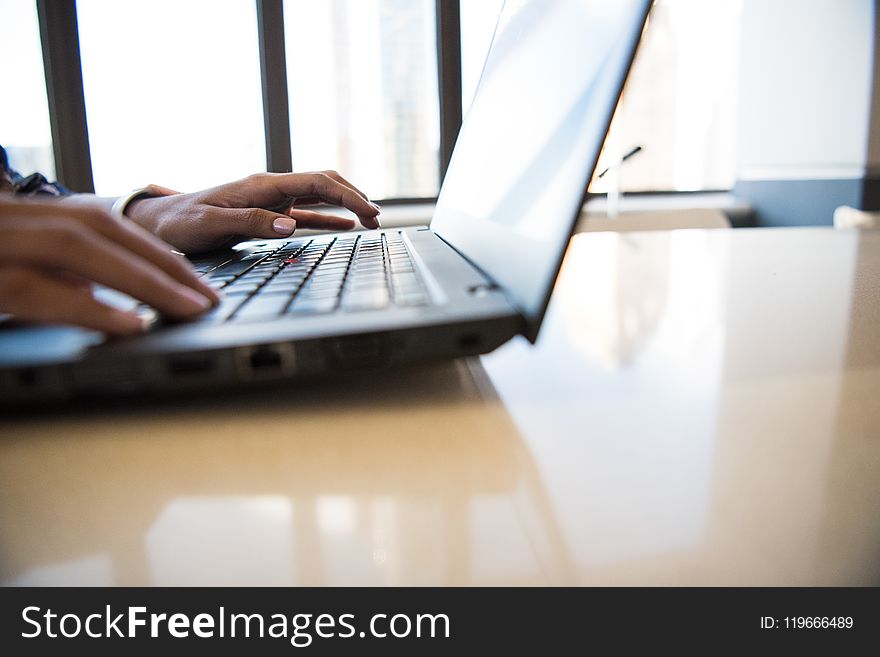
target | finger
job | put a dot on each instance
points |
(332, 191)
(73, 279)
(149, 247)
(74, 247)
(342, 181)
(324, 188)
(127, 234)
(35, 296)
(320, 221)
(248, 222)
(308, 200)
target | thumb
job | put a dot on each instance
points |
(255, 222)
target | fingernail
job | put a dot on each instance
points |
(147, 319)
(378, 209)
(196, 300)
(216, 295)
(130, 323)
(284, 226)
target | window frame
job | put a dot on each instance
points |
(59, 35)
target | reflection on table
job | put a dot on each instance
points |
(701, 408)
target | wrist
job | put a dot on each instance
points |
(125, 205)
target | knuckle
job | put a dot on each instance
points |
(87, 212)
(145, 280)
(15, 283)
(252, 218)
(258, 177)
(314, 183)
(200, 216)
(66, 237)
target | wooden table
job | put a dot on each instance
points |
(702, 407)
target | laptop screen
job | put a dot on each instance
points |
(530, 141)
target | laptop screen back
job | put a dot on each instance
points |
(530, 141)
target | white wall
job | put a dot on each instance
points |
(806, 85)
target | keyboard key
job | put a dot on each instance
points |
(320, 283)
(279, 289)
(261, 307)
(221, 311)
(365, 300)
(286, 281)
(232, 268)
(418, 299)
(305, 305)
(293, 270)
(368, 275)
(319, 292)
(241, 288)
(329, 274)
(253, 278)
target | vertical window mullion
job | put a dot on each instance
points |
(448, 77)
(273, 74)
(59, 36)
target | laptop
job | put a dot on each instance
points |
(480, 274)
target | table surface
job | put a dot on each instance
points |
(702, 408)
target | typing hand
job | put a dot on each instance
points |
(51, 253)
(264, 205)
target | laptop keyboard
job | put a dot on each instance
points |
(323, 275)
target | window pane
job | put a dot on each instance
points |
(477, 27)
(362, 76)
(24, 112)
(172, 92)
(679, 103)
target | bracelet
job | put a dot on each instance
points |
(121, 204)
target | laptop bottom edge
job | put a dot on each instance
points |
(166, 374)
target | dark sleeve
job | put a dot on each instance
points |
(35, 184)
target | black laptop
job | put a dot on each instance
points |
(479, 275)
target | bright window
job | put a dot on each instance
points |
(24, 113)
(172, 92)
(679, 103)
(478, 21)
(362, 78)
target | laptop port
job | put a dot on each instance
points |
(190, 366)
(355, 351)
(266, 361)
(29, 378)
(470, 342)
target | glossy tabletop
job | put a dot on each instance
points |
(702, 407)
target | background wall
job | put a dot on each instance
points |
(807, 98)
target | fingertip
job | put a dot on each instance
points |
(126, 323)
(284, 226)
(214, 295)
(192, 302)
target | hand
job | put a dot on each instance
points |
(51, 252)
(265, 205)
